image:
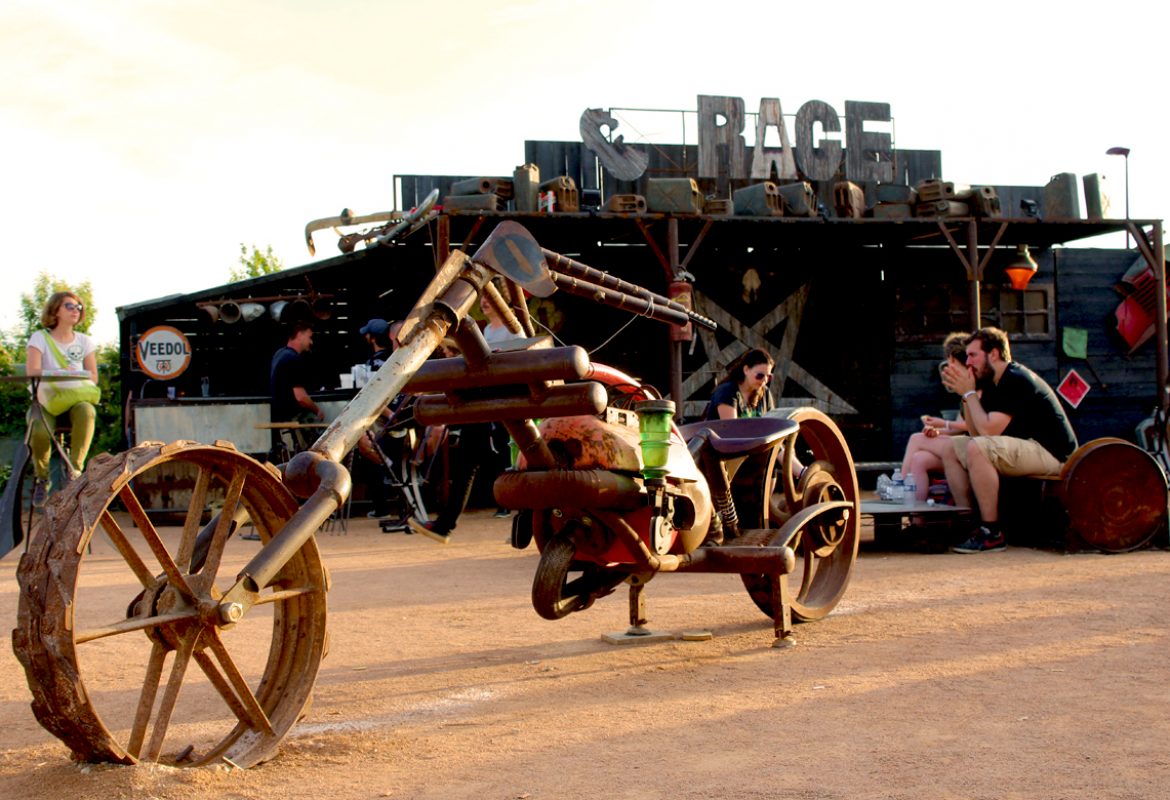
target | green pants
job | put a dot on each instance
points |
(81, 419)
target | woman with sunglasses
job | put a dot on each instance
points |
(744, 390)
(59, 346)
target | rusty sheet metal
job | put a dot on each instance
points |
(1115, 495)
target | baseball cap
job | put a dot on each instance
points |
(375, 327)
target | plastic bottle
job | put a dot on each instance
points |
(883, 486)
(898, 488)
(911, 489)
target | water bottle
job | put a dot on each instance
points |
(898, 488)
(911, 488)
(883, 487)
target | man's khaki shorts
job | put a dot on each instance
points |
(1010, 456)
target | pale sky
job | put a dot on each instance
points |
(144, 140)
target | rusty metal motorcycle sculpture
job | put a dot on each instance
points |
(244, 652)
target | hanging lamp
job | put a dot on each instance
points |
(1022, 268)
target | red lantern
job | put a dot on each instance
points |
(1022, 268)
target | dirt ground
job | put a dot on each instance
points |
(1023, 674)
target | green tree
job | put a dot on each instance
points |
(108, 436)
(255, 263)
(13, 396)
(33, 303)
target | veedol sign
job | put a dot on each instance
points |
(722, 149)
(163, 352)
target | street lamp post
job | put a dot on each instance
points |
(1124, 152)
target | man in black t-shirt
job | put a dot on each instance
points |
(287, 378)
(1017, 425)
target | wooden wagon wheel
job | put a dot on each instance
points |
(233, 688)
(825, 549)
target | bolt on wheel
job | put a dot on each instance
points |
(193, 685)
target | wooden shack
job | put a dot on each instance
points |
(853, 305)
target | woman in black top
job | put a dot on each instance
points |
(744, 390)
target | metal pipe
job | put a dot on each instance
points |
(676, 368)
(1160, 313)
(469, 339)
(520, 306)
(357, 417)
(493, 298)
(973, 273)
(558, 401)
(508, 367)
(642, 306)
(567, 266)
(744, 560)
(569, 488)
(530, 443)
(332, 488)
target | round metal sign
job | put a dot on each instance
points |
(163, 352)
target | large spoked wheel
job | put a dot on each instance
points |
(189, 687)
(826, 547)
(563, 585)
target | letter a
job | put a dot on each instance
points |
(764, 157)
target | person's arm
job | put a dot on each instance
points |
(980, 422)
(90, 366)
(984, 423)
(725, 411)
(33, 364)
(306, 402)
(943, 427)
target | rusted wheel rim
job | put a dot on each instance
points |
(192, 689)
(1115, 495)
(824, 558)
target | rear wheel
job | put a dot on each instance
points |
(563, 584)
(825, 547)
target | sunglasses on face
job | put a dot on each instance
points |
(74, 307)
(763, 376)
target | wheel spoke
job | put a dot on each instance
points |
(162, 718)
(150, 535)
(809, 572)
(285, 594)
(133, 624)
(242, 701)
(127, 551)
(219, 539)
(194, 515)
(154, 667)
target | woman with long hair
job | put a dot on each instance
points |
(59, 346)
(744, 390)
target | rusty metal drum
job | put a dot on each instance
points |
(1115, 495)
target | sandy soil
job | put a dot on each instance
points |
(1025, 674)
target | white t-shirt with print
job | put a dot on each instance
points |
(74, 352)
